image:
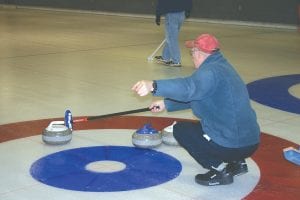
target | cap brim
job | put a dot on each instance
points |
(189, 44)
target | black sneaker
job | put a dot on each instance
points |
(159, 59)
(237, 167)
(214, 177)
(172, 64)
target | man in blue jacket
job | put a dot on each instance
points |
(175, 12)
(228, 131)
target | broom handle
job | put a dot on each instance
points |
(156, 50)
(111, 115)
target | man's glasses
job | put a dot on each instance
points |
(193, 50)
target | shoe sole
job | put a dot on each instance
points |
(161, 62)
(172, 65)
(225, 181)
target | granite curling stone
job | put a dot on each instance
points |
(146, 137)
(57, 134)
(167, 136)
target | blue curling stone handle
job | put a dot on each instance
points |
(147, 129)
(68, 119)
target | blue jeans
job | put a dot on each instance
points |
(173, 22)
(207, 153)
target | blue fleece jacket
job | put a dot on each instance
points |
(219, 98)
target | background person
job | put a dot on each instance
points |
(175, 12)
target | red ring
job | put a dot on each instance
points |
(279, 178)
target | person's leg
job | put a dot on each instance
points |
(173, 23)
(189, 135)
(235, 157)
(166, 52)
(211, 155)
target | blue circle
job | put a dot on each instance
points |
(144, 168)
(274, 92)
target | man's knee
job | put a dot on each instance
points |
(180, 134)
(179, 130)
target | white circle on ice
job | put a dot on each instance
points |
(105, 166)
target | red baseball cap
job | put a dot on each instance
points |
(204, 42)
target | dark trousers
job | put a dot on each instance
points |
(207, 153)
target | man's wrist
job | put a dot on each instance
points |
(154, 87)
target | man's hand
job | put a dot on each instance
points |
(143, 87)
(157, 20)
(157, 106)
(187, 14)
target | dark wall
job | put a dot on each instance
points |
(266, 11)
(127, 6)
(269, 11)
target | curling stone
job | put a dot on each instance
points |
(167, 135)
(146, 137)
(57, 133)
